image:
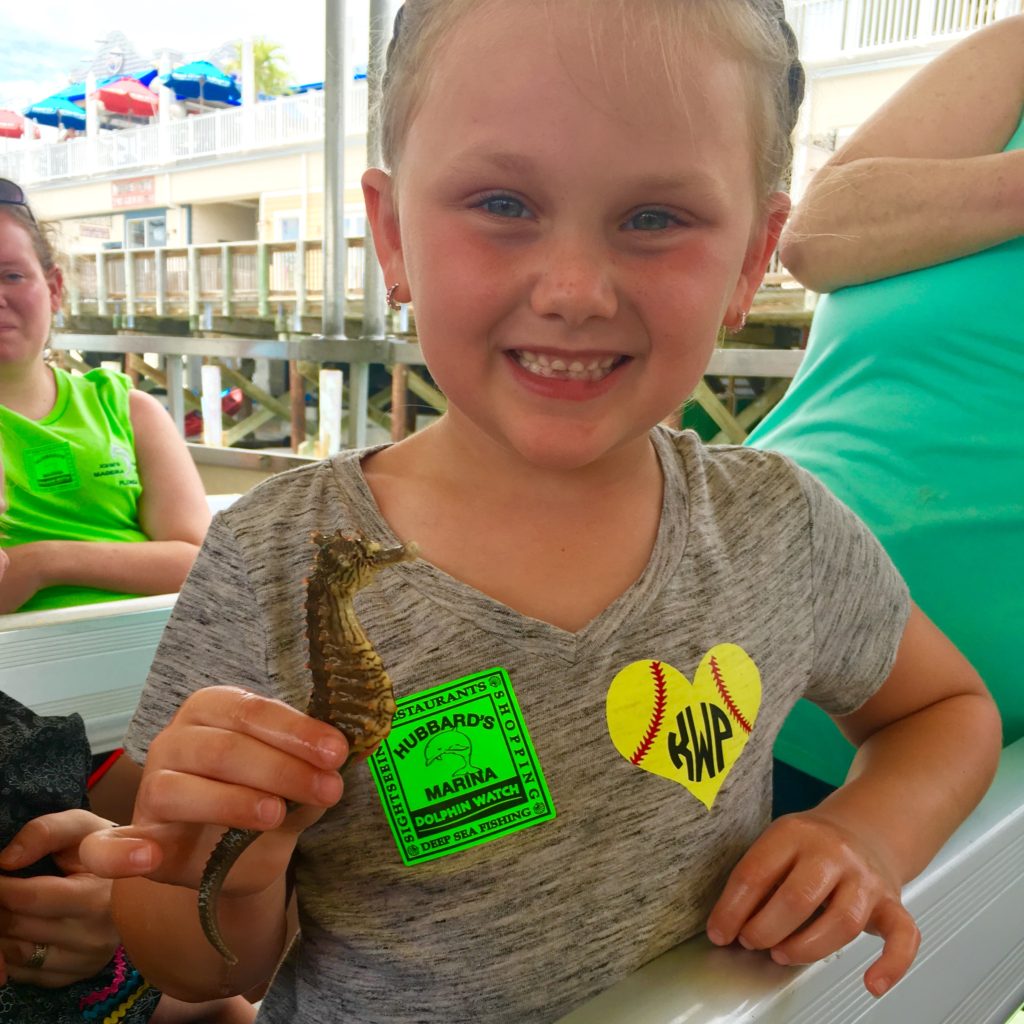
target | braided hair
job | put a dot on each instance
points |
(754, 31)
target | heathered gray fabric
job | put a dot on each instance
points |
(751, 550)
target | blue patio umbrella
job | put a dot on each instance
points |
(203, 81)
(57, 111)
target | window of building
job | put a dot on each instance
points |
(145, 232)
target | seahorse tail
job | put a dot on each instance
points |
(229, 848)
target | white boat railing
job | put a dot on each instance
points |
(92, 659)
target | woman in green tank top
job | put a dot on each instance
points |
(104, 501)
(59, 947)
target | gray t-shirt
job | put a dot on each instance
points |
(751, 553)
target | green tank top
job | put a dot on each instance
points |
(72, 474)
(908, 408)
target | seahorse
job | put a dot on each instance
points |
(350, 688)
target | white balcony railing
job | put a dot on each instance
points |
(287, 120)
(838, 30)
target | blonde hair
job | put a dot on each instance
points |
(753, 31)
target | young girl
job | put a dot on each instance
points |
(608, 623)
(104, 498)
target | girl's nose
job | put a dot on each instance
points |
(575, 284)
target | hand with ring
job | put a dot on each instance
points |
(54, 930)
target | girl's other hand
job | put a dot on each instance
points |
(69, 915)
(229, 758)
(805, 889)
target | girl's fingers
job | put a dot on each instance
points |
(271, 721)
(229, 779)
(901, 939)
(759, 871)
(793, 903)
(845, 916)
(177, 853)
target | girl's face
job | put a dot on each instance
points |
(572, 232)
(28, 297)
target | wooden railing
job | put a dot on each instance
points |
(260, 279)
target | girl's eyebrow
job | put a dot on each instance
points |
(690, 180)
(501, 160)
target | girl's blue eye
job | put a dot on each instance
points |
(504, 206)
(651, 220)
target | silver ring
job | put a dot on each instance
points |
(39, 955)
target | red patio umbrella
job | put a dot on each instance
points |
(128, 96)
(14, 125)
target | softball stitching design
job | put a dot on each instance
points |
(730, 704)
(657, 716)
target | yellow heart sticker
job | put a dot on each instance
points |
(690, 733)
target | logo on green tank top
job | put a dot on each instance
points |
(458, 768)
(51, 467)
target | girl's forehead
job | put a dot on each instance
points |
(620, 56)
(536, 70)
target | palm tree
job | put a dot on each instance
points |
(270, 67)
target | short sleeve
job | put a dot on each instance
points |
(860, 604)
(214, 636)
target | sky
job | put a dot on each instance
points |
(43, 40)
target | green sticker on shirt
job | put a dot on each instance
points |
(458, 768)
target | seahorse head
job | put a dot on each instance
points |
(349, 562)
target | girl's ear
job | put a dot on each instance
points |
(379, 197)
(759, 250)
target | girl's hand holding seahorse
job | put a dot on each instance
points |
(229, 758)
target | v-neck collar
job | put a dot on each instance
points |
(484, 612)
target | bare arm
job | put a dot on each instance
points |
(172, 512)
(924, 180)
(928, 748)
(227, 758)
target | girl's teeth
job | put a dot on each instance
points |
(544, 366)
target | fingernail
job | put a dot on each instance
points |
(269, 810)
(716, 937)
(327, 786)
(780, 958)
(881, 986)
(331, 748)
(12, 854)
(745, 943)
(141, 857)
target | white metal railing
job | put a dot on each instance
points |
(830, 30)
(271, 124)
